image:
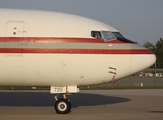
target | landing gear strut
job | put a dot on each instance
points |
(62, 105)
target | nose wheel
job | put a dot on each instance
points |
(62, 106)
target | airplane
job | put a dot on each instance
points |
(64, 51)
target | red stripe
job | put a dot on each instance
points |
(53, 40)
(72, 51)
(67, 89)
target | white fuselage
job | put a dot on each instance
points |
(59, 68)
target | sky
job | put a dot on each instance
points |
(137, 20)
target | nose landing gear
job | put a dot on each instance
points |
(62, 105)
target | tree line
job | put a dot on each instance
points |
(157, 49)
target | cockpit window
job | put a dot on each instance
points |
(107, 35)
(96, 34)
(103, 35)
(117, 34)
(120, 37)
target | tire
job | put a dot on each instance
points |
(62, 106)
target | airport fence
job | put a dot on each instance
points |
(146, 78)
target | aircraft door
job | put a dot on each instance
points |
(15, 34)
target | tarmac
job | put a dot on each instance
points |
(86, 105)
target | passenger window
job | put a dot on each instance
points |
(96, 34)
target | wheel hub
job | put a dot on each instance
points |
(62, 106)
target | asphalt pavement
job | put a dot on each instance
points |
(86, 105)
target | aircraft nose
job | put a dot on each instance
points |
(142, 60)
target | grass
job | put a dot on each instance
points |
(120, 87)
(85, 88)
(24, 88)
